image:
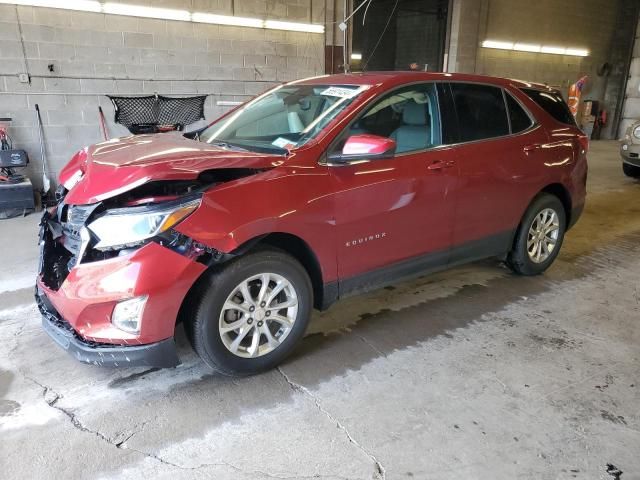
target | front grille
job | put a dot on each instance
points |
(77, 215)
(73, 219)
(55, 260)
(61, 241)
(633, 155)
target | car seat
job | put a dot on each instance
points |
(415, 132)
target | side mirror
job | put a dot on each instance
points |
(364, 146)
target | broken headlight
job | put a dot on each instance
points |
(130, 226)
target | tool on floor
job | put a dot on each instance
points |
(46, 184)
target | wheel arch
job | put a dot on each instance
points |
(560, 191)
(287, 242)
(518, 258)
(557, 190)
(303, 253)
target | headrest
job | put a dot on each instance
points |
(295, 124)
(414, 113)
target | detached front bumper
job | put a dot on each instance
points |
(160, 354)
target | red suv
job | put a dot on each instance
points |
(313, 191)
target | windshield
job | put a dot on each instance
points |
(284, 118)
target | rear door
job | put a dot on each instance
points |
(498, 142)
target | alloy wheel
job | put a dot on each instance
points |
(258, 315)
(543, 235)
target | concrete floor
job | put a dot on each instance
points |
(469, 374)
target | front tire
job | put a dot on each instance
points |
(631, 170)
(250, 314)
(539, 236)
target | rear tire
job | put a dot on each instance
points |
(631, 170)
(235, 328)
(539, 236)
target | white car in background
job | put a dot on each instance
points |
(630, 151)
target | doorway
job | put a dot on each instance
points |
(399, 35)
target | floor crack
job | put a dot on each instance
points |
(164, 461)
(17, 335)
(51, 398)
(380, 470)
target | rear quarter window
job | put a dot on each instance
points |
(553, 104)
(519, 118)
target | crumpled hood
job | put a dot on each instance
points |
(110, 168)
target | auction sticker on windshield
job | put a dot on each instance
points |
(340, 92)
(282, 142)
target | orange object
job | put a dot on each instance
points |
(575, 91)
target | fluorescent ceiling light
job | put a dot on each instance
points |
(356, 56)
(142, 11)
(527, 47)
(495, 44)
(294, 27)
(579, 52)
(146, 12)
(226, 20)
(553, 50)
(82, 5)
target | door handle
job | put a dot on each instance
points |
(530, 148)
(440, 164)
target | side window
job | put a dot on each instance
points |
(553, 104)
(520, 119)
(408, 115)
(481, 111)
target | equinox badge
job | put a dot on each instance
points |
(360, 241)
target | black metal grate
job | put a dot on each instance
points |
(156, 113)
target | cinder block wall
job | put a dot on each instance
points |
(592, 24)
(96, 54)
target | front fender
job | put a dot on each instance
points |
(292, 200)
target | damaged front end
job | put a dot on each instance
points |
(113, 273)
(75, 234)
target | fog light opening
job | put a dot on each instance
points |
(127, 314)
(625, 147)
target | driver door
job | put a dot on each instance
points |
(394, 215)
